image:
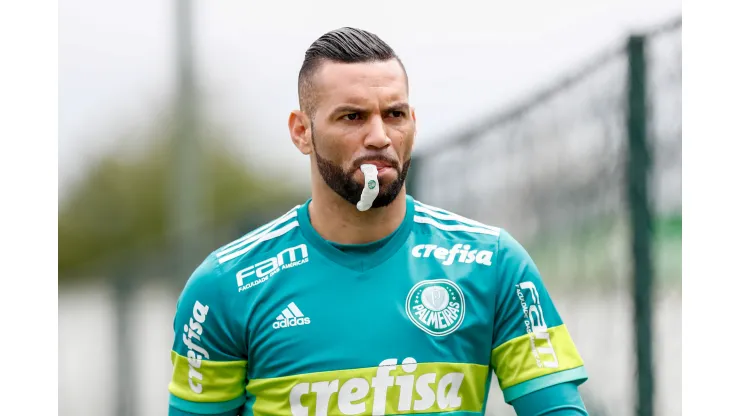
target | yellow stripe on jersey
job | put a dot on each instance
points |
(390, 388)
(207, 381)
(534, 355)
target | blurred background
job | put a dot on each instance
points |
(559, 121)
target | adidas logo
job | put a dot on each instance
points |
(290, 316)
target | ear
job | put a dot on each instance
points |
(300, 131)
(413, 117)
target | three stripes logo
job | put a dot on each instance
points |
(290, 316)
(271, 230)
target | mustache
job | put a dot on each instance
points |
(379, 157)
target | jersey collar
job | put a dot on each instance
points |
(365, 261)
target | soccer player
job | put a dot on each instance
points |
(400, 309)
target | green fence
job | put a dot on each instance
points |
(587, 175)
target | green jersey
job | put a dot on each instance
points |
(284, 322)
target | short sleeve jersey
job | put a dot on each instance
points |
(284, 322)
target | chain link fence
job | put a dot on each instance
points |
(556, 172)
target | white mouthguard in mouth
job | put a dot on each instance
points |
(371, 189)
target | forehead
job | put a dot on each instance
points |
(360, 83)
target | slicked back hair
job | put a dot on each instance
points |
(345, 45)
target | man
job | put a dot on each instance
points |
(400, 309)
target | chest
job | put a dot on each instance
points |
(318, 316)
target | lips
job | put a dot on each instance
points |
(378, 164)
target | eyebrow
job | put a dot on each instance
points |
(348, 109)
(356, 109)
(398, 107)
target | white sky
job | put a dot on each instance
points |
(116, 61)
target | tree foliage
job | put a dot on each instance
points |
(124, 202)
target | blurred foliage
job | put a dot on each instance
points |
(125, 200)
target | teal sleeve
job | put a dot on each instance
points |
(531, 346)
(208, 354)
(557, 400)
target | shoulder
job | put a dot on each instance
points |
(440, 222)
(219, 268)
(255, 243)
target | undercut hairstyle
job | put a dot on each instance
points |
(345, 45)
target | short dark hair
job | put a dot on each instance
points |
(345, 45)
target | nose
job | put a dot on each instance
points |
(376, 136)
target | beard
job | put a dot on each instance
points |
(343, 183)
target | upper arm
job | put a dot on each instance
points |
(208, 353)
(531, 347)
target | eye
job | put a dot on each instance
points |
(397, 114)
(351, 116)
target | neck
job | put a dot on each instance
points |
(338, 221)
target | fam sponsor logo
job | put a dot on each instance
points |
(264, 270)
(534, 322)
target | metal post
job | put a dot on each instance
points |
(185, 209)
(125, 394)
(638, 173)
